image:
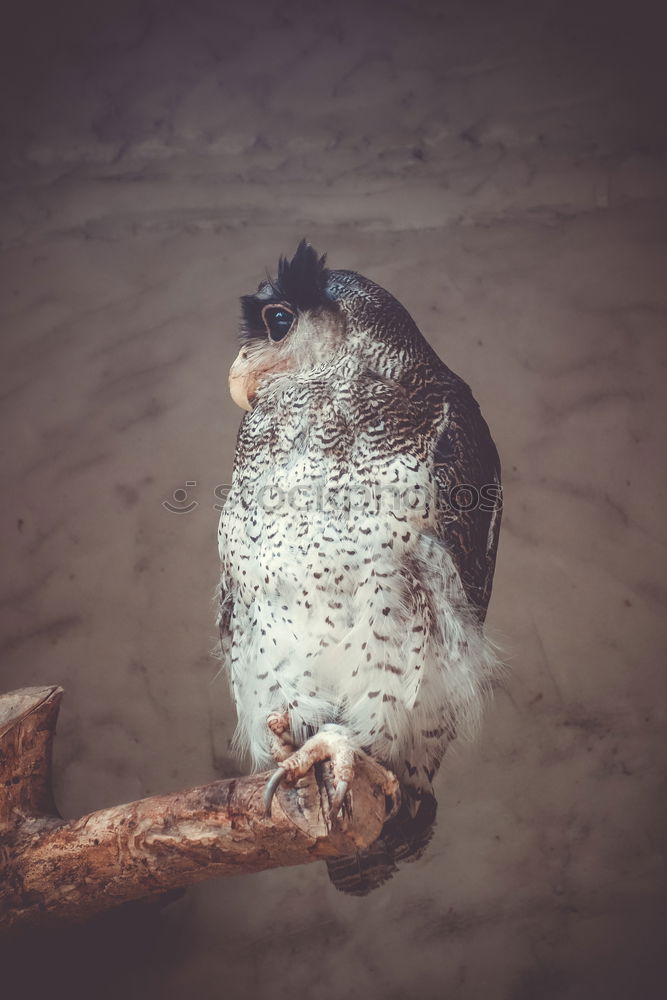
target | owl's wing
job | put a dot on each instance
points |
(468, 520)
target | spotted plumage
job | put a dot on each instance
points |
(358, 540)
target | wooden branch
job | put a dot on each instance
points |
(56, 870)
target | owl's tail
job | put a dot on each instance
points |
(404, 838)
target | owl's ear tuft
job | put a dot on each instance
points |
(302, 280)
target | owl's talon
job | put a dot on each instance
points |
(270, 789)
(337, 800)
(330, 743)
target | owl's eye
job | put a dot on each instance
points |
(278, 321)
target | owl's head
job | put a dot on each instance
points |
(309, 317)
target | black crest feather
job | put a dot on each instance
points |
(302, 280)
(301, 283)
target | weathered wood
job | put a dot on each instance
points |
(27, 726)
(55, 870)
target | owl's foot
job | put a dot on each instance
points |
(330, 743)
(282, 744)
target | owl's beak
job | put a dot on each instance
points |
(242, 382)
(246, 372)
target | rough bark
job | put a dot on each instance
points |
(58, 870)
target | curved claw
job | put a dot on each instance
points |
(270, 789)
(338, 796)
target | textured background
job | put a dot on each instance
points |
(501, 168)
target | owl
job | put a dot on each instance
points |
(358, 544)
